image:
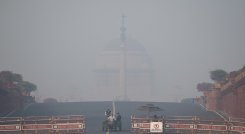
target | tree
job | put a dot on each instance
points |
(17, 78)
(14, 91)
(6, 80)
(218, 75)
(26, 87)
(6, 76)
(9, 80)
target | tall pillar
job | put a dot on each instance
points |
(123, 61)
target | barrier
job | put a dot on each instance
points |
(191, 124)
(44, 123)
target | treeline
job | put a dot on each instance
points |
(220, 77)
(14, 92)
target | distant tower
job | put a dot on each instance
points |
(124, 70)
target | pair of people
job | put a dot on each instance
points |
(110, 116)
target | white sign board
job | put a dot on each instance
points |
(156, 127)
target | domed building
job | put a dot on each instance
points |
(124, 70)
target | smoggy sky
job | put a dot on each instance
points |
(54, 44)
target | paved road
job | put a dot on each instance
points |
(94, 112)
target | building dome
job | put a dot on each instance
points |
(138, 70)
(132, 45)
(123, 70)
(136, 56)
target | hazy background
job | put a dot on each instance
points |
(54, 44)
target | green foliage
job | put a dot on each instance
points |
(17, 77)
(218, 75)
(12, 80)
(27, 86)
(6, 76)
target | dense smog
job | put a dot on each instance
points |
(122, 67)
